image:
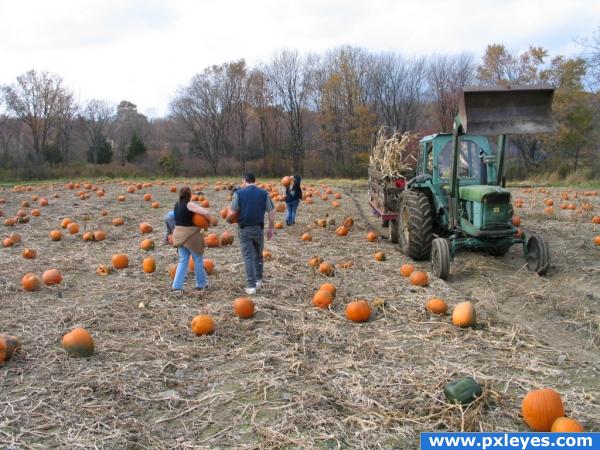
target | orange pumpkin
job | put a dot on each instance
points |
(267, 255)
(147, 197)
(358, 311)
(436, 306)
(315, 261)
(7, 242)
(329, 288)
(212, 240)
(118, 221)
(326, 269)
(418, 278)
(200, 221)
(9, 346)
(171, 270)
(464, 315)
(243, 307)
(380, 256)
(147, 245)
(103, 269)
(65, 222)
(149, 264)
(120, 261)
(55, 235)
(88, 236)
(321, 223)
(173, 189)
(36, 212)
(29, 253)
(540, 408)
(322, 298)
(121, 198)
(73, 228)
(286, 181)
(78, 343)
(566, 425)
(516, 221)
(99, 235)
(52, 277)
(597, 240)
(155, 205)
(226, 238)
(348, 222)
(202, 324)
(209, 266)
(372, 236)
(306, 237)
(596, 219)
(145, 228)
(345, 264)
(31, 282)
(342, 230)
(280, 207)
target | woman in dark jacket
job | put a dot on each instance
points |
(293, 195)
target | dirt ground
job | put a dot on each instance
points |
(294, 376)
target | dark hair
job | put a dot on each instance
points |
(185, 194)
(249, 177)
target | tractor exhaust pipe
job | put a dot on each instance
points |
(496, 110)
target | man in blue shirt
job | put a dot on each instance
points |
(250, 205)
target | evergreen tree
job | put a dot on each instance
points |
(136, 148)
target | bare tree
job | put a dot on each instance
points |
(66, 115)
(290, 78)
(261, 100)
(97, 116)
(36, 99)
(446, 76)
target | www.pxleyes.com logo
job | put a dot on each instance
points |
(509, 441)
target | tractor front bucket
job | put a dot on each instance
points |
(496, 110)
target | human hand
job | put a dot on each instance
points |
(270, 233)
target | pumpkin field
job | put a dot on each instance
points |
(294, 373)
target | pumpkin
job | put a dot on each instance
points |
(342, 230)
(149, 264)
(147, 245)
(280, 207)
(120, 261)
(306, 237)
(31, 282)
(348, 222)
(173, 189)
(596, 219)
(321, 223)
(322, 298)
(337, 195)
(211, 240)
(118, 221)
(345, 264)
(65, 222)
(171, 270)
(52, 277)
(145, 228)
(286, 181)
(243, 307)
(7, 242)
(279, 225)
(418, 278)
(464, 315)
(232, 216)
(130, 189)
(147, 197)
(16, 238)
(103, 269)
(326, 269)
(99, 235)
(226, 238)
(372, 236)
(10, 222)
(267, 255)
(55, 235)
(155, 205)
(436, 306)
(329, 288)
(29, 253)
(73, 228)
(200, 221)
(597, 240)
(463, 391)
(561, 425)
(78, 343)
(43, 201)
(121, 198)
(223, 212)
(315, 261)
(549, 210)
(202, 324)
(335, 204)
(209, 266)
(88, 236)
(358, 311)
(36, 212)
(308, 201)
(9, 345)
(516, 221)
(540, 408)
(380, 256)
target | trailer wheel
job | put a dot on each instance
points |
(415, 224)
(393, 230)
(440, 258)
(537, 254)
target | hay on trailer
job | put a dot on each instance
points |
(390, 154)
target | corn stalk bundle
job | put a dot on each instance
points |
(390, 154)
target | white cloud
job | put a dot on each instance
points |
(142, 50)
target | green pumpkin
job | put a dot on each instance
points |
(464, 391)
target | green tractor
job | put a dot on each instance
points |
(457, 199)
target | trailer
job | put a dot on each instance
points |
(384, 196)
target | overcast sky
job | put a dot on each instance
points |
(143, 50)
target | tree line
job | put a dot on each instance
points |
(313, 114)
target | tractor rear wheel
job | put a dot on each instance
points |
(538, 254)
(393, 230)
(415, 224)
(440, 258)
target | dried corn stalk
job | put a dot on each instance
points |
(390, 154)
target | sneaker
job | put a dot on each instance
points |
(250, 291)
(258, 284)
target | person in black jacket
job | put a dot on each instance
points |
(293, 195)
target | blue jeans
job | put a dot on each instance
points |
(290, 214)
(252, 240)
(169, 223)
(182, 268)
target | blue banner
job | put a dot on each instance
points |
(509, 441)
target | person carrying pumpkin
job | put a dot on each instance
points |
(249, 205)
(189, 240)
(293, 195)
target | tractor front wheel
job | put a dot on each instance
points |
(440, 258)
(415, 224)
(537, 254)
